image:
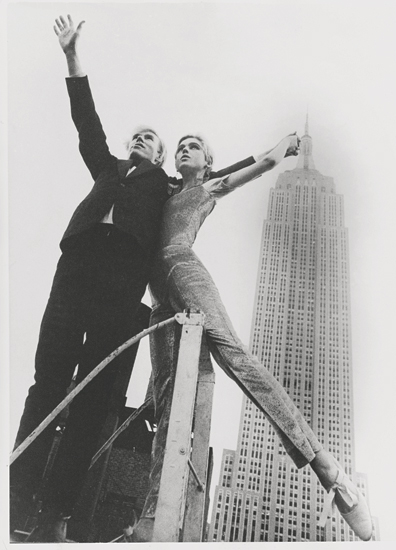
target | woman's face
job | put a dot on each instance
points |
(190, 156)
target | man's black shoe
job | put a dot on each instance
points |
(51, 527)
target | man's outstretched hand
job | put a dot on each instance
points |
(67, 33)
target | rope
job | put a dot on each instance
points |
(41, 427)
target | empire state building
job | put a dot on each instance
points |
(301, 331)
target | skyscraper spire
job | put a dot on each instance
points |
(305, 160)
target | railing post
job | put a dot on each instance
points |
(169, 515)
(195, 516)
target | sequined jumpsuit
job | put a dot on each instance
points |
(181, 281)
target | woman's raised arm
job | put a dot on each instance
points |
(288, 146)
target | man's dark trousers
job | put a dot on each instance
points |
(92, 309)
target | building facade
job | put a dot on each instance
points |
(301, 331)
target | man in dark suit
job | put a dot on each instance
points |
(97, 289)
(93, 305)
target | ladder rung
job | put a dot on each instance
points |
(201, 486)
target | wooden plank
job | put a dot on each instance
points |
(172, 491)
(195, 507)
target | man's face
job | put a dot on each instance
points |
(144, 145)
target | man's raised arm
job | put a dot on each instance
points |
(93, 146)
(68, 37)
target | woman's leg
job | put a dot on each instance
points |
(190, 286)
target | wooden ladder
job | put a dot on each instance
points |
(183, 491)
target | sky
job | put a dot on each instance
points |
(244, 75)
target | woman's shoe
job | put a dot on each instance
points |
(351, 504)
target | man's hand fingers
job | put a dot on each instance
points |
(63, 20)
(56, 30)
(80, 26)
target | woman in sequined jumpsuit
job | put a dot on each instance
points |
(180, 281)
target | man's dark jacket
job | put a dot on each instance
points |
(138, 199)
